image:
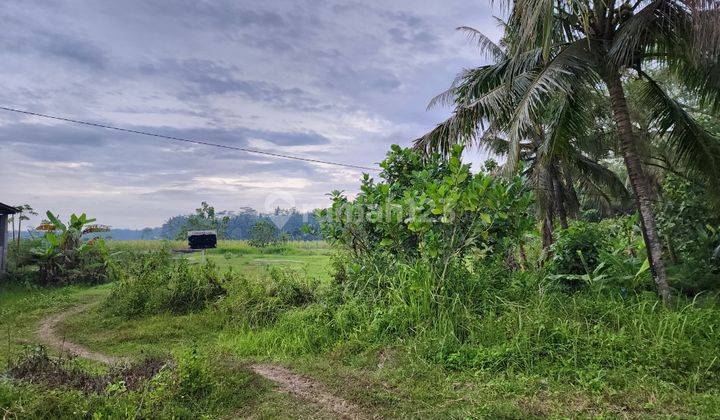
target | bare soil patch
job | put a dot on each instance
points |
(308, 389)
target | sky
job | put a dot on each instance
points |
(331, 80)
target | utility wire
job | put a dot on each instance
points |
(186, 140)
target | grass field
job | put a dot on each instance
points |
(386, 380)
(23, 307)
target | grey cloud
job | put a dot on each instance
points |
(25, 134)
(371, 80)
(71, 143)
(291, 139)
(48, 45)
(205, 77)
(222, 13)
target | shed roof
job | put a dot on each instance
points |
(201, 232)
(5, 209)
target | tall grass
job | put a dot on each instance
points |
(505, 323)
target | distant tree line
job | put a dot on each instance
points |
(236, 225)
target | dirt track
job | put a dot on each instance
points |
(307, 389)
(299, 386)
(48, 334)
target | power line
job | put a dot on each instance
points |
(186, 140)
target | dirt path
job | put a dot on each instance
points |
(307, 389)
(48, 334)
(300, 386)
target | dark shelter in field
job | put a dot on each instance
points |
(5, 211)
(202, 239)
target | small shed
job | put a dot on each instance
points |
(202, 239)
(5, 211)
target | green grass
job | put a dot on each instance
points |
(310, 256)
(530, 355)
(22, 308)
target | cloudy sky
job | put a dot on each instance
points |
(333, 80)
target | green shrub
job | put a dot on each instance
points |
(577, 251)
(257, 303)
(194, 379)
(432, 209)
(155, 283)
(690, 231)
(64, 255)
(264, 233)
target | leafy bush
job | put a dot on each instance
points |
(194, 379)
(263, 233)
(690, 229)
(154, 283)
(21, 267)
(435, 210)
(576, 251)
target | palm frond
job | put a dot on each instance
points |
(658, 26)
(570, 118)
(570, 67)
(691, 144)
(701, 77)
(601, 177)
(485, 44)
(706, 25)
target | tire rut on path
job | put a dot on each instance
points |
(299, 386)
(307, 389)
(48, 334)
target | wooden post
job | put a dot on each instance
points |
(3, 242)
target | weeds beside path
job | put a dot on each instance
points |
(299, 386)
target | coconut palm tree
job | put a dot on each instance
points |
(598, 42)
(553, 148)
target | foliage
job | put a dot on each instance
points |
(64, 257)
(25, 210)
(556, 62)
(154, 283)
(239, 225)
(259, 303)
(505, 323)
(205, 218)
(185, 388)
(264, 233)
(517, 345)
(690, 226)
(577, 251)
(435, 210)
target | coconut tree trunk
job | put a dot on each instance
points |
(547, 231)
(573, 203)
(639, 182)
(559, 196)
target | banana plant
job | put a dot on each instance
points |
(64, 255)
(70, 234)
